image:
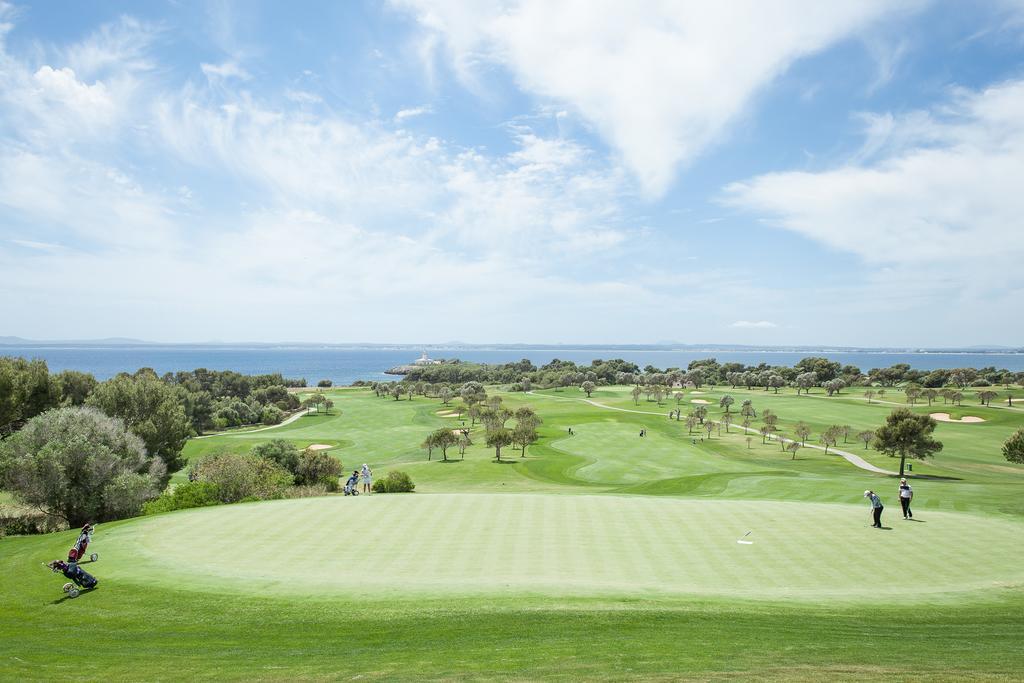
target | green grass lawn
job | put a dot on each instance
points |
(597, 555)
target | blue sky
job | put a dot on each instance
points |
(787, 172)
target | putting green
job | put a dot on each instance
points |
(562, 545)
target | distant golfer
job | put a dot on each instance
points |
(876, 507)
(367, 477)
(906, 495)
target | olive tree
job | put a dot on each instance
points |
(79, 465)
(1013, 449)
(907, 435)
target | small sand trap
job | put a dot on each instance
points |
(447, 413)
(944, 417)
(696, 393)
(318, 447)
(457, 432)
(698, 400)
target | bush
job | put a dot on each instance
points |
(80, 465)
(317, 467)
(271, 415)
(242, 477)
(282, 452)
(309, 491)
(193, 494)
(394, 482)
(325, 383)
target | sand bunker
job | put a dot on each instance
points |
(696, 393)
(944, 417)
(318, 447)
(447, 413)
(698, 400)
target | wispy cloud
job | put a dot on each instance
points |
(412, 112)
(753, 324)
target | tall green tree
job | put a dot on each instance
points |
(588, 387)
(498, 439)
(150, 408)
(907, 435)
(26, 390)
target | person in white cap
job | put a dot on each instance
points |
(906, 495)
(367, 476)
(876, 507)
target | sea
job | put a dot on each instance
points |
(346, 365)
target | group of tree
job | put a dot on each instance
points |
(808, 373)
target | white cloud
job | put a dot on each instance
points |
(412, 112)
(933, 189)
(750, 324)
(660, 81)
(224, 71)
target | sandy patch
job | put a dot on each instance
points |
(318, 447)
(699, 400)
(447, 413)
(944, 417)
(696, 393)
(457, 432)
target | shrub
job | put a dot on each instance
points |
(271, 415)
(309, 491)
(241, 477)
(317, 467)
(193, 494)
(325, 383)
(79, 465)
(279, 451)
(394, 482)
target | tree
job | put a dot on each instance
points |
(709, 427)
(446, 395)
(396, 392)
(913, 393)
(930, 395)
(805, 381)
(243, 476)
(802, 431)
(727, 420)
(636, 394)
(149, 408)
(79, 465)
(845, 431)
(725, 402)
(282, 452)
(325, 383)
(678, 396)
(869, 394)
(749, 439)
(700, 412)
(691, 422)
(26, 390)
(830, 436)
(463, 443)
(524, 434)
(986, 397)
(769, 418)
(75, 387)
(1013, 449)
(472, 393)
(588, 387)
(747, 409)
(867, 436)
(907, 435)
(793, 447)
(765, 431)
(440, 438)
(498, 439)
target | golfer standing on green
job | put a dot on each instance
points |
(876, 507)
(906, 495)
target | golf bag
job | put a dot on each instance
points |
(80, 579)
(77, 551)
(351, 488)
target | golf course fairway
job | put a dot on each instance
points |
(557, 545)
(597, 555)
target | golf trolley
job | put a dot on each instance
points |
(80, 579)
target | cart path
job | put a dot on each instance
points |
(282, 423)
(851, 458)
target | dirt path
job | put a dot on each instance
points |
(851, 458)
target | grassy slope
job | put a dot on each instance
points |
(175, 632)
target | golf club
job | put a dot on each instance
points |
(745, 542)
